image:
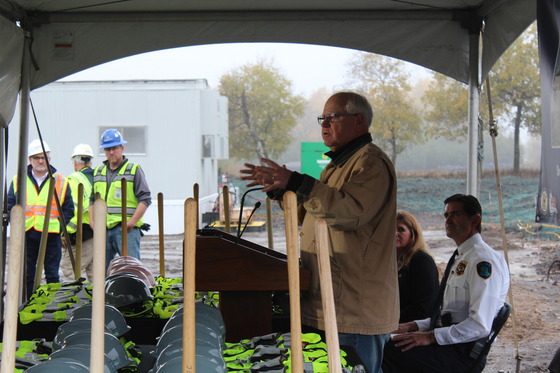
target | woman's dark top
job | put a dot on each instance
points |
(418, 286)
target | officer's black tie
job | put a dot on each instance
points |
(436, 309)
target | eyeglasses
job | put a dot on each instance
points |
(329, 118)
(38, 158)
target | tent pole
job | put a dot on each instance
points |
(24, 121)
(23, 135)
(4, 230)
(474, 103)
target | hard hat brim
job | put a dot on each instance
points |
(111, 144)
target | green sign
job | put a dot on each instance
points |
(313, 159)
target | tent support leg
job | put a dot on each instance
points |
(24, 98)
(473, 109)
(4, 229)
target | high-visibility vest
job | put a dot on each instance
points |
(37, 203)
(113, 195)
(74, 180)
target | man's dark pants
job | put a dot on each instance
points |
(429, 359)
(53, 255)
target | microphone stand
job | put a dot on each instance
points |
(257, 205)
(241, 210)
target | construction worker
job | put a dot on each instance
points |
(81, 159)
(107, 182)
(38, 182)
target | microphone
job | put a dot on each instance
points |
(241, 210)
(257, 205)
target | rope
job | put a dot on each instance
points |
(526, 227)
(493, 129)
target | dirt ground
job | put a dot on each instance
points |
(535, 273)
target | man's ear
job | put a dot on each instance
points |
(476, 219)
(361, 121)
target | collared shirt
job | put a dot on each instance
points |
(39, 179)
(475, 291)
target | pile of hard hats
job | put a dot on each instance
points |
(128, 284)
(131, 265)
(210, 342)
(127, 292)
(72, 344)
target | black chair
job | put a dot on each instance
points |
(482, 346)
(554, 366)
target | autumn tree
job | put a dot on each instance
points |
(445, 108)
(515, 93)
(515, 88)
(307, 129)
(396, 123)
(262, 110)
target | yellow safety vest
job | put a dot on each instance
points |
(37, 203)
(74, 180)
(113, 195)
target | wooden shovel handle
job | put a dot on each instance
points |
(292, 249)
(325, 279)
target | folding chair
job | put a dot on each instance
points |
(554, 366)
(482, 346)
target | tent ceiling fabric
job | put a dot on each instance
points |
(10, 65)
(72, 35)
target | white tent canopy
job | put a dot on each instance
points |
(72, 35)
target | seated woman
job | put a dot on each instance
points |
(418, 274)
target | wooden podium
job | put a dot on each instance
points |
(245, 274)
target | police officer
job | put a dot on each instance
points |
(81, 160)
(107, 182)
(37, 191)
(476, 289)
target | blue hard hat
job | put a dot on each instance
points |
(110, 138)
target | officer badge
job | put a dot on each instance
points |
(461, 267)
(484, 270)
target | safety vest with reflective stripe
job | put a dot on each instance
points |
(36, 207)
(74, 180)
(113, 195)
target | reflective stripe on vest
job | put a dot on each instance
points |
(112, 195)
(36, 207)
(74, 180)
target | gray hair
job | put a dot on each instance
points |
(83, 160)
(356, 103)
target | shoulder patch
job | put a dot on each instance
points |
(484, 270)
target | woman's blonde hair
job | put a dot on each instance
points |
(416, 237)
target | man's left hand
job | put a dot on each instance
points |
(130, 225)
(410, 340)
(270, 175)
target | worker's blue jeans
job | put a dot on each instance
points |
(114, 243)
(368, 347)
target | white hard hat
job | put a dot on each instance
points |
(83, 149)
(36, 148)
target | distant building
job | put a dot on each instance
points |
(177, 130)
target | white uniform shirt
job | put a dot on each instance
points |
(475, 292)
